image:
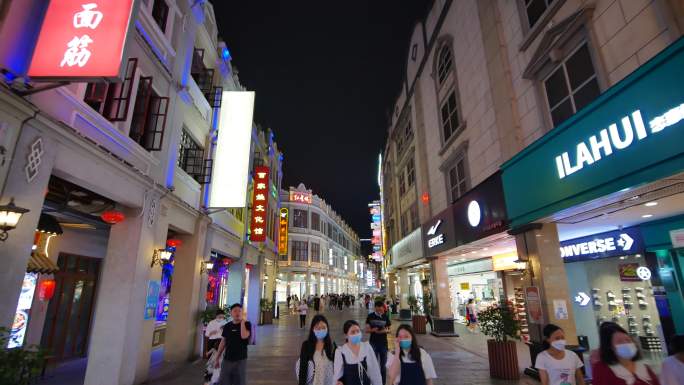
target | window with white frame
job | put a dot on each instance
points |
(410, 173)
(315, 252)
(571, 85)
(191, 158)
(458, 182)
(300, 219)
(449, 114)
(444, 63)
(300, 251)
(534, 9)
(447, 92)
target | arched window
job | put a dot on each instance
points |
(444, 63)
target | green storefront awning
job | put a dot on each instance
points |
(630, 135)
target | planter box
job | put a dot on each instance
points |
(419, 322)
(503, 360)
(443, 327)
(404, 314)
(266, 317)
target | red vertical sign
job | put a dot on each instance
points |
(259, 205)
(82, 39)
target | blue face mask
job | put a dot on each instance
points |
(321, 334)
(355, 339)
(405, 344)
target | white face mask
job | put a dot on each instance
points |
(626, 351)
(558, 344)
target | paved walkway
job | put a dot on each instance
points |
(273, 358)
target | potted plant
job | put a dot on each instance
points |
(500, 323)
(19, 366)
(266, 311)
(418, 318)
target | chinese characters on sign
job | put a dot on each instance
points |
(82, 39)
(300, 197)
(259, 205)
(282, 231)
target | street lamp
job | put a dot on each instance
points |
(207, 266)
(161, 257)
(9, 217)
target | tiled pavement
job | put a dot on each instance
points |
(273, 358)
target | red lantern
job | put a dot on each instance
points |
(425, 198)
(113, 216)
(173, 242)
(46, 289)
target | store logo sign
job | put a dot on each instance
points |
(644, 273)
(612, 139)
(582, 298)
(474, 213)
(435, 240)
(623, 242)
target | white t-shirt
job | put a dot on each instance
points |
(672, 372)
(561, 372)
(213, 330)
(425, 359)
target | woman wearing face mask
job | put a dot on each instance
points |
(314, 366)
(557, 365)
(355, 362)
(410, 364)
(620, 362)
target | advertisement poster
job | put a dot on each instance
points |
(560, 309)
(534, 305)
(151, 299)
(21, 318)
(628, 272)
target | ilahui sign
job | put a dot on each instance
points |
(82, 39)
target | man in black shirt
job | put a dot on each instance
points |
(378, 325)
(234, 341)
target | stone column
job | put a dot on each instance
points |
(403, 288)
(308, 283)
(184, 301)
(121, 337)
(541, 246)
(16, 250)
(441, 296)
(254, 298)
(391, 286)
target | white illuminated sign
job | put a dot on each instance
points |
(330, 257)
(474, 213)
(644, 273)
(582, 298)
(602, 245)
(611, 139)
(437, 240)
(230, 173)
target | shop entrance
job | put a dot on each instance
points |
(68, 320)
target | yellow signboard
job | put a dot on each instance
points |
(506, 262)
(465, 285)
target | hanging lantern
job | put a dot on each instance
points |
(113, 216)
(46, 289)
(173, 242)
(425, 198)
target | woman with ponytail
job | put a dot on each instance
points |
(315, 363)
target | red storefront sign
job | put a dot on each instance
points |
(300, 197)
(282, 231)
(82, 39)
(259, 205)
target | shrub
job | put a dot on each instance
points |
(499, 322)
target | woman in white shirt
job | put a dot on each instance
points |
(410, 364)
(302, 309)
(557, 365)
(315, 363)
(355, 361)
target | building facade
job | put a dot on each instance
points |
(321, 254)
(494, 89)
(117, 178)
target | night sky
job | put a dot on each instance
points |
(325, 75)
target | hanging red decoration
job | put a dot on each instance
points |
(425, 198)
(173, 242)
(46, 289)
(113, 216)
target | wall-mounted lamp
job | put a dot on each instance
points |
(207, 266)
(10, 214)
(161, 257)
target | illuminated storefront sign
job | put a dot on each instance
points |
(376, 226)
(301, 197)
(82, 39)
(259, 205)
(230, 172)
(507, 262)
(604, 245)
(21, 318)
(283, 228)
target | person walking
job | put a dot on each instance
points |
(410, 364)
(234, 341)
(317, 303)
(620, 360)
(214, 329)
(302, 309)
(378, 325)
(471, 315)
(355, 362)
(315, 363)
(672, 372)
(557, 365)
